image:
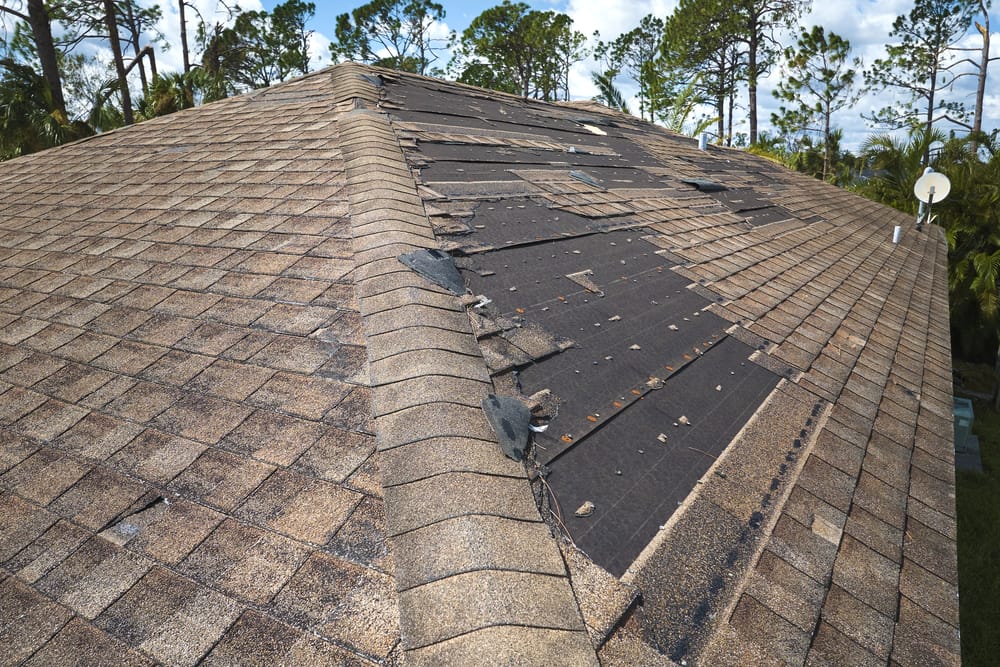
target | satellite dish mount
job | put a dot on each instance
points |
(929, 188)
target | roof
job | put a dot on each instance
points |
(235, 427)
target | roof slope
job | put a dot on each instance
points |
(187, 453)
(223, 395)
(633, 279)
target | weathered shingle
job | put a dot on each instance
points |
(234, 425)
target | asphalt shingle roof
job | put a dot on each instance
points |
(235, 427)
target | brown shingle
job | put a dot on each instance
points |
(142, 401)
(169, 617)
(44, 475)
(167, 532)
(81, 643)
(98, 497)
(232, 380)
(155, 456)
(93, 577)
(271, 437)
(49, 420)
(306, 397)
(202, 418)
(260, 640)
(304, 508)
(27, 619)
(367, 619)
(98, 436)
(21, 523)
(759, 623)
(220, 479)
(244, 561)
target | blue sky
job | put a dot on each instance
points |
(866, 23)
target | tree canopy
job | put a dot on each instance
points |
(260, 48)
(398, 34)
(515, 49)
(920, 64)
(818, 80)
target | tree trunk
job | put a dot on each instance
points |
(752, 84)
(720, 107)
(116, 50)
(185, 55)
(929, 122)
(133, 30)
(148, 51)
(732, 106)
(41, 29)
(826, 142)
(984, 63)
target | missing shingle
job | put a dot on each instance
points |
(373, 79)
(436, 266)
(596, 120)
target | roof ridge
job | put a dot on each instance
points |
(422, 510)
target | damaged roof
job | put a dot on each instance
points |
(260, 362)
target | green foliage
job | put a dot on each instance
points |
(28, 121)
(918, 64)
(896, 164)
(390, 33)
(818, 82)
(970, 217)
(608, 94)
(678, 111)
(515, 49)
(635, 54)
(700, 47)
(171, 93)
(259, 49)
(978, 509)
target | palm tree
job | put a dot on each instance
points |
(29, 118)
(608, 94)
(971, 216)
(169, 93)
(678, 108)
(896, 164)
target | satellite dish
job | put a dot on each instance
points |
(932, 187)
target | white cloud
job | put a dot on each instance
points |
(613, 17)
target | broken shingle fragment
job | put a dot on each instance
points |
(436, 266)
(510, 420)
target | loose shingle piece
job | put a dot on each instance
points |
(235, 426)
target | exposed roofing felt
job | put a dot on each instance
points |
(235, 427)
